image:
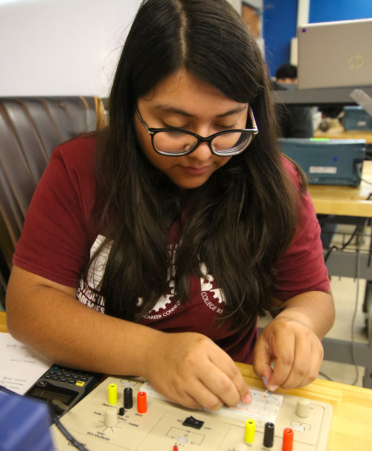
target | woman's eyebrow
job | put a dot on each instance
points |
(171, 109)
(233, 111)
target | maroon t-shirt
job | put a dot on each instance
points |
(58, 233)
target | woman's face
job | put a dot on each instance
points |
(183, 101)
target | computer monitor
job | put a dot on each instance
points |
(335, 54)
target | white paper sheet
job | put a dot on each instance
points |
(20, 367)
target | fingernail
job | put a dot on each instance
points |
(248, 399)
(264, 380)
(273, 387)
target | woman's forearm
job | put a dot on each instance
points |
(315, 309)
(57, 326)
(188, 368)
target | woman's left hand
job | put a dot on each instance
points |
(292, 340)
(295, 349)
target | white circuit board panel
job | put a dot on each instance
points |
(99, 427)
(262, 408)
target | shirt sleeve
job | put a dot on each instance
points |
(302, 267)
(54, 239)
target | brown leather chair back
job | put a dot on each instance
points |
(30, 128)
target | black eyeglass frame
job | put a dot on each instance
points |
(200, 139)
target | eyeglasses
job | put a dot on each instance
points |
(175, 142)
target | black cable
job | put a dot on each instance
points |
(63, 430)
(358, 167)
(357, 293)
(356, 307)
(343, 247)
(365, 181)
(335, 248)
(327, 377)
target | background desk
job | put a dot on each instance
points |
(340, 133)
(352, 407)
(344, 201)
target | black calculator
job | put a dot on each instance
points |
(64, 385)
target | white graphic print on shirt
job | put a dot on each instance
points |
(86, 292)
(165, 306)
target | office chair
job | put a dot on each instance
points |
(30, 128)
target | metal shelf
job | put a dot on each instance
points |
(319, 97)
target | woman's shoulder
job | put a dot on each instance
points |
(289, 167)
(71, 168)
(78, 152)
(294, 172)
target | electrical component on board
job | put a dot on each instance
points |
(268, 440)
(141, 402)
(250, 427)
(112, 394)
(128, 398)
(287, 439)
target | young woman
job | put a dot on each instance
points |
(181, 222)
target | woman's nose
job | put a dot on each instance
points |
(201, 153)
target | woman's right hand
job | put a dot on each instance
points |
(190, 369)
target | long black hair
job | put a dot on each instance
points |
(241, 220)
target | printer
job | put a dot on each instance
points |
(327, 161)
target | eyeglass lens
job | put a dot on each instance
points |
(178, 142)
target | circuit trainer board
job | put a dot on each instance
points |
(107, 421)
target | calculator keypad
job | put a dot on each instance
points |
(67, 376)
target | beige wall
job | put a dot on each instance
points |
(237, 4)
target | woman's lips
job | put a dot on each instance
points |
(192, 170)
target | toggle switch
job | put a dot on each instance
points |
(303, 408)
(193, 423)
(111, 418)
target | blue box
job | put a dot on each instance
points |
(24, 423)
(357, 118)
(327, 161)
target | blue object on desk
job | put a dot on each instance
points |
(357, 118)
(327, 161)
(24, 423)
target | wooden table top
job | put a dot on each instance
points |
(339, 133)
(344, 200)
(3, 327)
(352, 407)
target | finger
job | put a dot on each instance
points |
(301, 363)
(185, 400)
(231, 383)
(174, 392)
(192, 395)
(262, 359)
(283, 349)
(316, 361)
(218, 383)
(204, 397)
